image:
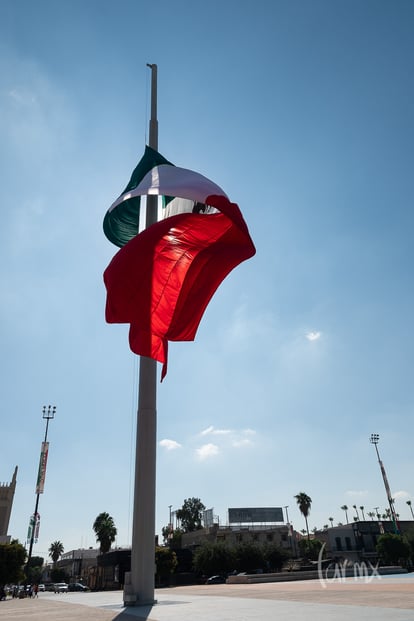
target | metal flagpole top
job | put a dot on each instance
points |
(153, 125)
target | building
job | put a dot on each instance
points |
(109, 573)
(233, 534)
(78, 563)
(357, 541)
(6, 502)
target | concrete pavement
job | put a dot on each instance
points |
(388, 598)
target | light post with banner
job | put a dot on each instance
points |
(374, 439)
(34, 525)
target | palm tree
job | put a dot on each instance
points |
(411, 509)
(363, 514)
(55, 551)
(331, 521)
(345, 508)
(304, 503)
(371, 514)
(356, 511)
(105, 531)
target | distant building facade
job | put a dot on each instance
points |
(358, 540)
(233, 534)
(6, 503)
(77, 564)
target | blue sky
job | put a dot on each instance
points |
(303, 113)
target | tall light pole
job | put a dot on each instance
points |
(290, 531)
(411, 509)
(374, 439)
(48, 414)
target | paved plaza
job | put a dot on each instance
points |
(389, 598)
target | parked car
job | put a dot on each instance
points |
(216, 580)
(61, 587)
(77, 586)
(41, 587)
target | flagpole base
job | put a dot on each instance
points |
(133, 599)
(138, 602)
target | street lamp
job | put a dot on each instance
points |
(290, 531)
(374, 439)
(48, 414)
(170, 525)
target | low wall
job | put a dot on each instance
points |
(314, 574)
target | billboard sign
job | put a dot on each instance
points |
(42, 468)
(256, 515)
(208, 518)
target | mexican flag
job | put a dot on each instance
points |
(163, 278)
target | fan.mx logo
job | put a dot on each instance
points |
(339, 572)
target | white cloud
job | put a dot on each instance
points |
(22, 97)
(358, 493)
(212, 430)
(170, 445)
(243, 439)
(249, 432)
(401, 495)
(313, 336)
(241, 442)
(231, 437)
(206, 451)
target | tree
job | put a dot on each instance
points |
(275, 556)
(345, 508)
(331, 521)
(56, 550)
(59, 575)
(249, 556)
(105, 531)
(310, 548)
(362, 511)
(409, 538)
(12, 558)
(214, 558)
(304, 503)
(357, 514)
(165, 562)
(175, 540)
(34, 569)
(190, 514)
(167, 533)
(393, 548)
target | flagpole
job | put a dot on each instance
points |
(139, 586)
